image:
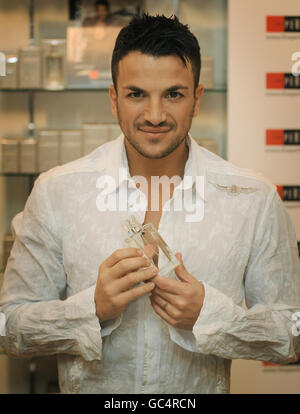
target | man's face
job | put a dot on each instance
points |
(102, 11)
(155, 102)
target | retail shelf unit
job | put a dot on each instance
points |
(23, 111)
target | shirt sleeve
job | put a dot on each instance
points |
(38, 319)
(265, 330)
(107, 327)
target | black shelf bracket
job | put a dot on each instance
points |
(31, 22)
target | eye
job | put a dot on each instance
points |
(135, 94)
(174, 95)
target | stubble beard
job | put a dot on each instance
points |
(172, 147)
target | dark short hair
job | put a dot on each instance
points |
(157, 36)
(102, 3)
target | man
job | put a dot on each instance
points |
(176, 334)
(102, 14)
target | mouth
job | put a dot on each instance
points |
(154, 132)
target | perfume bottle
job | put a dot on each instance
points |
(54, 63)
(147, 238)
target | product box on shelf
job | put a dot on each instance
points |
(115, 131)
(95, 135)
(48, 149)
(210, 144)
(10, 155)
(28, 156)
(89, 51)
(70, 145)
(30, 68)
(207, 71)
(54, 62)
(10, 81)
(8, 241)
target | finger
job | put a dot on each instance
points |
(128, 265)
(169, 297)
(167, 307)
(160, 302)
(163, 314)
(132, 279)
(169, 285)
(132, 294)
(181, 271)
(121, 254)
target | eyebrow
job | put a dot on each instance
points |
(171, 89)
(176, 87)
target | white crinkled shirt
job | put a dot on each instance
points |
(244, 247)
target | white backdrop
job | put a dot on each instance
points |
(252, 110)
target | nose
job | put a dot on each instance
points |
(155, 113)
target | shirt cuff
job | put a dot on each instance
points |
(216, 315)
(80, 311)
(108, 326)
(183, 338)
(208, 325)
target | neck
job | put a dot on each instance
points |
(171, 165)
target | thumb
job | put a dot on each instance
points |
(181, 271)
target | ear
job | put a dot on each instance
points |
(198, 94)
(113, 96)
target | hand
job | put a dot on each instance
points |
(116, 279)
(178, 302)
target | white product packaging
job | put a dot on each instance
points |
(10, 155)
(30, 68)
(28, 156)
(70, 145)
(48, 149)
(95, 135)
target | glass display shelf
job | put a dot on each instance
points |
(221, 89)
(104, 88)
(218, 89)
(3, 174)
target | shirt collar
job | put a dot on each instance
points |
(116, 166)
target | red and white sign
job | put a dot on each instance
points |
(283, 137)
(282, 24)
(264, 94)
